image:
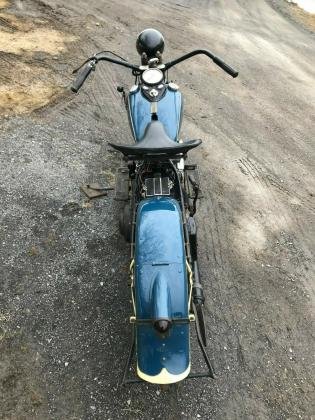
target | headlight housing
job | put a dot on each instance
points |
(152, 77)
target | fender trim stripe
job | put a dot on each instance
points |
(164, 377)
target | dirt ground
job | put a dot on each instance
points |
(64, 302)
(30, 41)
(300, 15)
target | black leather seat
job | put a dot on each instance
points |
(155, 141)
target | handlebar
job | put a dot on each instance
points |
(91, 62)
(225, 67)
(209, 54)
(82, 76)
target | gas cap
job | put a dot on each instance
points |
(173, 86)
(153, 93)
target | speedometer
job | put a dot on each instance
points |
(152, 76)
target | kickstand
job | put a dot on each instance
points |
(211, 373)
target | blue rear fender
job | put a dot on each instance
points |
(161, 291)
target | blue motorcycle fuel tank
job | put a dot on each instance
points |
(169, 112)
(161, 291)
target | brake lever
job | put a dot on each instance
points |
(85, 62)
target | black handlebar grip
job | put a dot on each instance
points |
(225, 67)
(82, 76)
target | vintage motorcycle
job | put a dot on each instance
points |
(160, 192)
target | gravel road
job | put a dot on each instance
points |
(64, 302)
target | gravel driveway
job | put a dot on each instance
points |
(64, 301)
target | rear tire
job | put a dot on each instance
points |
(125, 222)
